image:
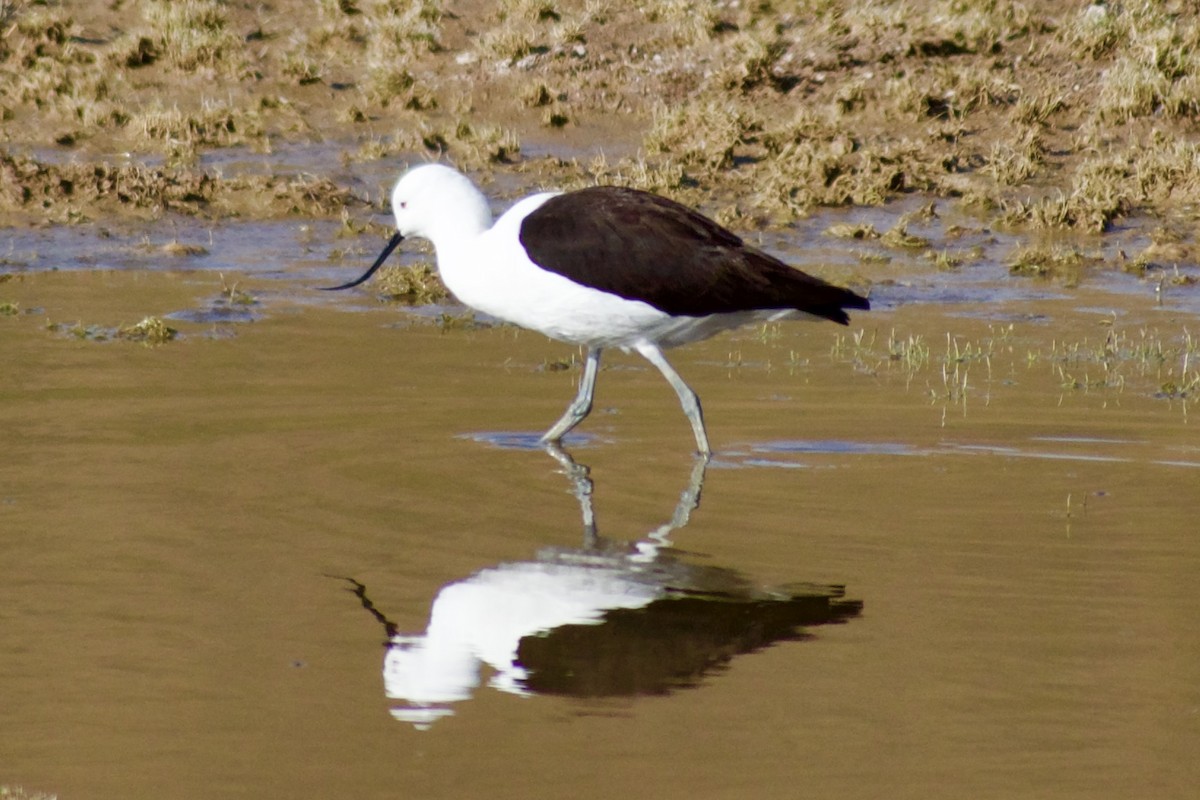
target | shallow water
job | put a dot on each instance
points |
(216, 551)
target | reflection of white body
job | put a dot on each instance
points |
(482, 620)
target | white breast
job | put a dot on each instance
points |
(492, 273)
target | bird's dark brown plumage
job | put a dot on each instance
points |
(671, 257)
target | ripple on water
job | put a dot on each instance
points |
(789, 453)
(522, 440)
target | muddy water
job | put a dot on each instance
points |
(214, 549)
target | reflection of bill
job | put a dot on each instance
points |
(599, 621)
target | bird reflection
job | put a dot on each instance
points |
(606, 619)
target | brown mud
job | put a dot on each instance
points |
(1036, 114)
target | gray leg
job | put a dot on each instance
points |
(689, 501)
(581, 486)
(582, 404)
(687, 398)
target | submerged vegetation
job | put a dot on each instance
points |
(1157, 363)
(150, 331)
(17, 792)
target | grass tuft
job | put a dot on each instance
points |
(150, 331)
(417, 285)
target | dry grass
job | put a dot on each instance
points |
(417, 285)
(72, 192)
(1045, 114)
(191, 35)
(1063, 264)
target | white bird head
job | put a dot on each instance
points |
(433, 201)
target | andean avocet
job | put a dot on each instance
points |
(601, 267)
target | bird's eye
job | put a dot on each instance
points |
(404, 204)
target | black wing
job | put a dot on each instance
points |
(641, 246)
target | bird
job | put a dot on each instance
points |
(602, 267)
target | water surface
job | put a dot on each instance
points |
(212, 549)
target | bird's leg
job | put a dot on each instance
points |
(689, 501)
(687, 398)
(581, 487)
(582, 404)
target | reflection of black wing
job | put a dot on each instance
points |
(672, 642)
